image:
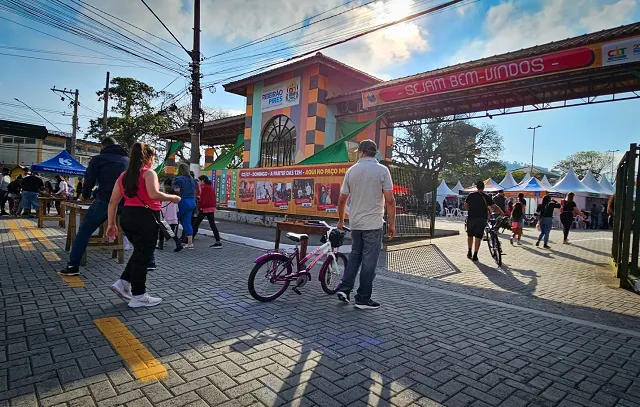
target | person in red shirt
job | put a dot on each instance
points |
(207, 209)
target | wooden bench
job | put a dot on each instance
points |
(96, 242)
(42, 211)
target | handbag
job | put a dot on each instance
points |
(162, 224)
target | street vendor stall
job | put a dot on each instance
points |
(61, 164)
(442, 193)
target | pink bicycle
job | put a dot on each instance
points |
(273, 272)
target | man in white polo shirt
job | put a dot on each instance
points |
(368, 186)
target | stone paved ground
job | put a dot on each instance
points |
(449, 332)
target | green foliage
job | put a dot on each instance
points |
(583, 161)
(453, 150)
(134, 118)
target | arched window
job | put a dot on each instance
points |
(278, 143)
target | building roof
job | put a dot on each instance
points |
(586, 39)
(10, 128)
(215, 132)
(239, 87)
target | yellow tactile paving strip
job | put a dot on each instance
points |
(144, 365)
(19, 226)
(21, 237)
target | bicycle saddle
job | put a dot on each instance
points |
(297, 237)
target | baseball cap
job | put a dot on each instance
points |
(368, 146)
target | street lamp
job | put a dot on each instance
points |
(613, 152)
(533, 147)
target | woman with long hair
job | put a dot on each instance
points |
(138, 185)
(207, 209)
(185, 185)
(517, 222)
(569, 212)
(546, 219)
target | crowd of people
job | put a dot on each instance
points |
(481, 207)
(122, 184)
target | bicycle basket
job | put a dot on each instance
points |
(336, 237)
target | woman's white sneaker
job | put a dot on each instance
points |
(144, 300)
(123, 289)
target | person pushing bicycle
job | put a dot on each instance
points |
(479, 206)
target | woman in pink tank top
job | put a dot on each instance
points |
(138, 186)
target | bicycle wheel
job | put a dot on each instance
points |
(497, 250)
(490, 243)
(332, 273)
(266, 281)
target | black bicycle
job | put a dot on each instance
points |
(493, 241)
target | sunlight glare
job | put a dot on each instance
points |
(392, 10)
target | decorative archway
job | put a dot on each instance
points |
(278, 145)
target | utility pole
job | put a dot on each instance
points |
(196, 92)
(613, 155)
(74, 130)
(106, 107)
(533, 148)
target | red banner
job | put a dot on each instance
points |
(521, 68)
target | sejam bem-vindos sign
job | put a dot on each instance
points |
(280, 95)
(590, 56)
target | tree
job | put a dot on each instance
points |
(135, 119)
(582, 162)
(454, 148)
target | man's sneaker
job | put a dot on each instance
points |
(216, 245)
(469, 255)
(144, 300)
(152, 267)
(122, 289)
(178, 248)
(70, 271)
(367, 305)
(189, 246)
(475, 257)
(547, 246)
(538, 243)
(344, 296)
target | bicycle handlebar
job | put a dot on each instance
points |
(325, 224)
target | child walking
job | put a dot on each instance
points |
(517, 222)
(170, 214)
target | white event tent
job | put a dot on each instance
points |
(571, 183)
(443, 192)
(490, 187)
(527, 178)
(590, 181)
(458, 188)
(508, 181)
(545, 182)
(607, 186)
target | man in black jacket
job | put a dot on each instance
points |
(103, 170)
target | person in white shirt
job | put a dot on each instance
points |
(62, 190)
(4, 189)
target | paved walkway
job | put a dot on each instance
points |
(549, 328)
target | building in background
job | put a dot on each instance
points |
(22, 145)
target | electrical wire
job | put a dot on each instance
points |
(165, 27)
(67, 18)
(79, 45)
(334, 42)
(47, 120)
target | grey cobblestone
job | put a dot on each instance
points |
(222, 348)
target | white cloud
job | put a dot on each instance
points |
(244, 20)
(508, 27)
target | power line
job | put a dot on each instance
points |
(81, 46)
(327, 43)
(56, 14)
(38, 114)
(165, 27)
(70, 62)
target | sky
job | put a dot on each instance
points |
(479, 29)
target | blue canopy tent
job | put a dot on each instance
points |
(62, 163)
(532, 189)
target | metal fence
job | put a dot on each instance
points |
(626, 219)
(415, 212)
